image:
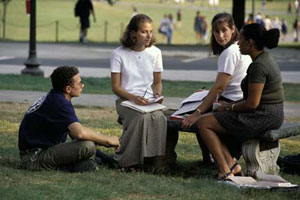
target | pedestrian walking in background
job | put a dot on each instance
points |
(250, 19)
(263, 5)
(179, 18)
(170, 29)
(268, 23)
(204, 30)
(213, 3)
(295, 26)
(83, 8)
(198, 27)
(276, 23)
(296, 7)
(259, 19)
(134, 11)
(290, 8)
(163, 27)
(284, 29)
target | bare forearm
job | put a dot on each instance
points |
(219, 86)
(157, 88)
(242, 106)
(210, 99)
(122, 93)
(89, 134)
(77, 131)
(253, 98)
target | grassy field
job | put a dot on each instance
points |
(188, 180)
(102, 86)
(117, 16)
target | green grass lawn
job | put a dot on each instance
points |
(188, 180)
(117, 16)
(102, 86)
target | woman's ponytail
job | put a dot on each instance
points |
(271, 38)
(261, 37)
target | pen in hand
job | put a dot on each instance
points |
(145, 93)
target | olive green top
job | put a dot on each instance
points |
(264, 70)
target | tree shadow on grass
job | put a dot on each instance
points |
(191, 169)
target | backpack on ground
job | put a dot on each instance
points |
(290, 164)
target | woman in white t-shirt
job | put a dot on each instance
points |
(136, 69)
(232, 67)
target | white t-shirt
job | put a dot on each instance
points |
(232, 62)
(136, 68)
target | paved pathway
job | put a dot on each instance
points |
(189, 53)
(290, 109)
(184, 75)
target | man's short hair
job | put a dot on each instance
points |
(62, 76)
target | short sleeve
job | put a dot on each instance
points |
(115, 63)
(228, 60)
(158, 64)
(256, 73)
(65, 115)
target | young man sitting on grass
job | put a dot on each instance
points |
(46, 124)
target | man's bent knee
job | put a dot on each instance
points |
(87, 149)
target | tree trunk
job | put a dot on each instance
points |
(238, 12)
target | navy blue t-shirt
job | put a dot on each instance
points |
(46, 122)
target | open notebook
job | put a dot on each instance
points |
(143, 109)
(265, 181)
(190, 104)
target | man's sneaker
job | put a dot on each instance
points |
(85, 166)
(103, 159)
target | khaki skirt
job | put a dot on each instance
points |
(144, 135)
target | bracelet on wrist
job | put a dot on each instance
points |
(199, 111)
(232, 106)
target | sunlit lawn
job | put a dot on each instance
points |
(57, 16)
(188, 180)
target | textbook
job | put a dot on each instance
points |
(190, 104)
(143, 109)
(265, 181)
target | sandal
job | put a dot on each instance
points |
(232, 169)
(224, 177)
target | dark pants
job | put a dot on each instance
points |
(57, 156)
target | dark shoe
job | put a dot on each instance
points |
(103, 159)
(85, 166)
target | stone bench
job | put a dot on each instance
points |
(260, 154)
